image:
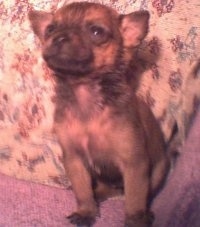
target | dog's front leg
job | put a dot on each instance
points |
(82, 188)
(136, 188)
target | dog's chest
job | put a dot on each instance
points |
(88, 101)
(85, 120)
(92, 129)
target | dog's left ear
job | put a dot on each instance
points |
(134, 28)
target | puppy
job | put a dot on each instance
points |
(110, 139)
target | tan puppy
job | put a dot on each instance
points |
(110, 139)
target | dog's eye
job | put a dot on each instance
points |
(98, 34)
(97, 31)
(49, 30)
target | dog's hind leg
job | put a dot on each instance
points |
(159, 175)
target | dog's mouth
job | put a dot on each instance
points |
(69, 58)
(65, 65)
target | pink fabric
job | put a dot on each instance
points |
(32, 205)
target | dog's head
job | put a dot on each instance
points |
(82, 38)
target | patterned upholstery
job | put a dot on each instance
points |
(168, 69)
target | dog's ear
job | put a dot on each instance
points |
(134, 28)
(39, 21)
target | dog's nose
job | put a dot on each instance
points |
(72, 46)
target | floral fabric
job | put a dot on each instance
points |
(169, 78)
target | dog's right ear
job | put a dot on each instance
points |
(39, 21)
(134, 28)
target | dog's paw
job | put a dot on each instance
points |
(81, 219)
(141, 219)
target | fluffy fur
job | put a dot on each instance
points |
(110, 139)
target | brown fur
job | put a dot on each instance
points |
(110, 139)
